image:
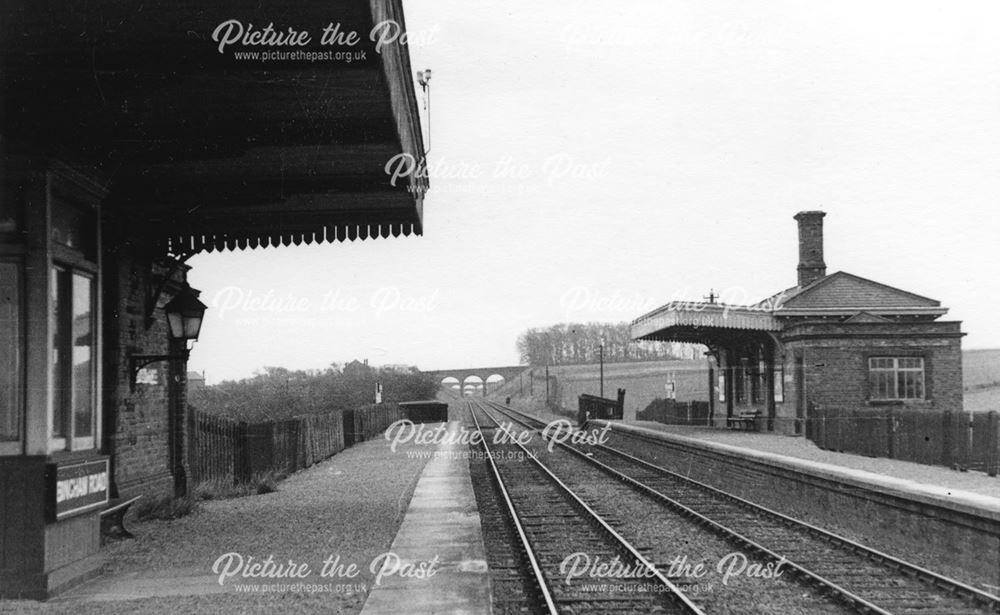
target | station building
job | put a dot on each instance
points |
(129, 141)
(836, 340)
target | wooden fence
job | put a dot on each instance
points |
(953, 439)
(672, 412)
(370, 421)
(225, 449)
(594, 407)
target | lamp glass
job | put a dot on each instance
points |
(184, 315)
(176, 323)
(192, 326)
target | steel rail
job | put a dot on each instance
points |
(675, 592)
(918, 572)
(536, 568)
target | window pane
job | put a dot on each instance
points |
(10, 359)
(10, 210)
(60, 359)
(83, 353)
(896, 377)
(74, 227)
(883, 384)
(913, 385)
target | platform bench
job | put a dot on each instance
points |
(113, 518)
(746, 420)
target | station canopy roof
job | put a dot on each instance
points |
(702, 323)
(212, 151)
(839, 295)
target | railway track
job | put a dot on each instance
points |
(552, 522)
(864, 579)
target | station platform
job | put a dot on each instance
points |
(972, 492)
(415, 501)
(442, 526)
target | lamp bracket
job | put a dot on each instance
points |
(137, 362)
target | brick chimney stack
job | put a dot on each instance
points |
(811, 265)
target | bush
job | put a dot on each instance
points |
(279, 393)
(164, 508)
(223, 488)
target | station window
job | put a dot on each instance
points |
(74, 325)
(74, 373)
(749, 383)
(896, 378)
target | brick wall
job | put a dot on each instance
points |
(940, 536)
(137, 424)
(835, 361)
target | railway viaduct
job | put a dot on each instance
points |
(478, 375)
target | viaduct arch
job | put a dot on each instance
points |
(469, 376)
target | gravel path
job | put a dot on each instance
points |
(349, 506)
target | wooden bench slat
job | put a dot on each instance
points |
(116, 504)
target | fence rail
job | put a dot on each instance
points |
(953, 439)
(221, 448)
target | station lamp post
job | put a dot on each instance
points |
(185, 314)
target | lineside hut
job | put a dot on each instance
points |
(835, 340)
(128, 143)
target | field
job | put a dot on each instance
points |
(981, 368)
(981, 376)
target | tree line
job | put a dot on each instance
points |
(277, 392)
(577, 343)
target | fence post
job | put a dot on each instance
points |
(890, 432)
(819, 431)
(190, 450)
(992, 443)
(948, 440)
(240, 456)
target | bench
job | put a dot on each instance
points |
(113, 518)
(746, 420)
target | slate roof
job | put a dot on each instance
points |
(842, 291)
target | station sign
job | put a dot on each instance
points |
(77, 488)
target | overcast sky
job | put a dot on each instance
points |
(592, 160)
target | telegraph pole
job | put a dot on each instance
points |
(602, 368)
